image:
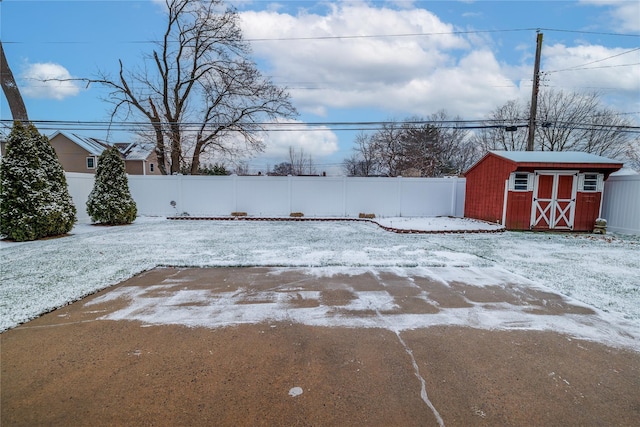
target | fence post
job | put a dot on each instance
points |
(235, 192)
(290, 192)
(400, 183)
(180, 193)
(454, 196)
(344, 196)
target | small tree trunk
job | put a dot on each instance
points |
(11, 91)
(157, 128)
(162, 163)
(176, 148)
(195, 159)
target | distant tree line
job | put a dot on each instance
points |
(298, 163)
(440, 145)
(566, 121)
(430, 147)
(217, 168)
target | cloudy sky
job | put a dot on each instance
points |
(343, 61)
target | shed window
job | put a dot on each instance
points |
(91, 162)
(591, 182)
(520, 181)
(151, 167)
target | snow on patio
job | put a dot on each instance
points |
(598, 271)
(394, 298)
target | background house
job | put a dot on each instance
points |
(80, 154)
(139, 159)
(538, 190)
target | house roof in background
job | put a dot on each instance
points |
(92, 145)
(138, 151)
(129, 150)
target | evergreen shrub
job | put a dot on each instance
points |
(34, 199)
(110, 200)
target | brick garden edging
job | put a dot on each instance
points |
(299, 219)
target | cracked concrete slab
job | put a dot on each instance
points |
(307, 346)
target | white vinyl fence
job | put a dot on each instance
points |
(279, 196)
(80, 185)
(621, 204)
(327, 196)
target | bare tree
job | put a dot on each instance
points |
(460, 151)
(242, 168)
(199, 90)
(420, 149)
(561, 116)
(567, 121)
(301, 164)
(387, 144)
(632, 153)
(11, 90)
(505, 130)
(363, 161)
(282, 169)
(433, 147)
(607, 135)
(352, 165)
(438, 147)
(297, 164)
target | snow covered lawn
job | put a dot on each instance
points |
(600, 271)
(438, 224)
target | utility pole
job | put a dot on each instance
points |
(534, 94)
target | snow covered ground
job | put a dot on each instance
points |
(438, 223)
(600, 271)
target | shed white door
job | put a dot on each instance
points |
(554, 200)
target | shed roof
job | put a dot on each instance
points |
(552, 160)
(554, 157)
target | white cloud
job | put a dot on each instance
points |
(316, 141)
(404, 75)
(326, 68)
(48, 80)
(624, 13)
(595, 68)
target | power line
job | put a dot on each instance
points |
(305, 38)
(344, 36)
(461, 124)
(594, 68)
(369, 36)
(579, 67)
(506, 30)
(598, 33)
(263, 127)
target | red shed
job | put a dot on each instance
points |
(538, 190)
